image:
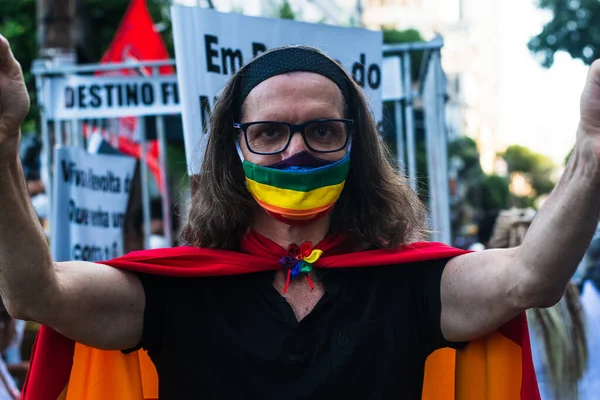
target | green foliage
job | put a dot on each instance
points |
(393, 36)
(483, 192)
(542, 184)
(537, 167)
(465, 148)
(520, 159)
(286, 12)
(574, 28)
(495, 192)
(17, 24)
(177, 167)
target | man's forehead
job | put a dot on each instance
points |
(291, 82)
(303, 94)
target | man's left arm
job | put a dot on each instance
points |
(481, 291)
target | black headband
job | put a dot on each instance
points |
(291, 59)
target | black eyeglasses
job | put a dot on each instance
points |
(319, 135)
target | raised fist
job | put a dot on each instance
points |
(14, 99)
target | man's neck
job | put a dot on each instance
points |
(285, 235)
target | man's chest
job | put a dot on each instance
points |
(329, 323)
(266, 356)
(336, 340)
(302, 294)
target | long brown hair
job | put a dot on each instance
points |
(376, 209)
(560, 328)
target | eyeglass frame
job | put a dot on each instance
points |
(294, 129)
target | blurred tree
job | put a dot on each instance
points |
(18, 25)
(465, 148)
(475, 195)
(286, 12)
(574, 28)
(537, 167)
(490, 193)
(483, 192)
(519, 159)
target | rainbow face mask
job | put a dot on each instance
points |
(298, 190)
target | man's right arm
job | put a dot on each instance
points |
(91, 303)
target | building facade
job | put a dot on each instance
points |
(472, 58)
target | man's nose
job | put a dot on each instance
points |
(296, 145)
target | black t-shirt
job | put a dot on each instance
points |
(236, 338)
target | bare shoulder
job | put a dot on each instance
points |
(92, 269)
(99, 305)
(479, 292)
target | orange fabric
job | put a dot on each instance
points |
(112, 375)
(438, 383)
(149, 376)
(486, 366)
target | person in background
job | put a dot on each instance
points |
(587, 278)
(157, 230)
(8, 386)
(485, 227)
(29, 153)
(558, 334)
(12, 353)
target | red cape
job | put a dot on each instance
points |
(496, 367)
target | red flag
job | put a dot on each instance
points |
(137, 40)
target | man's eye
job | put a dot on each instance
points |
(323, 131)
(270, 133)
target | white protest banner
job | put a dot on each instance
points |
(79, 96)
(91, 194)
(210, 46)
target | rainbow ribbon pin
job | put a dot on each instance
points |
(299, 260)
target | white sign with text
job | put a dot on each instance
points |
(80, 96)
(91, 192)
(210, 46)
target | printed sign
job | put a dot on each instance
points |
(91, 192)
(210, 46)
(79, 97)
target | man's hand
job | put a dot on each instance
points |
(14, 100)
(483, 290)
